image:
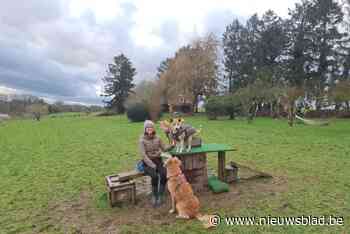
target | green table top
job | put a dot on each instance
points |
(205, 148)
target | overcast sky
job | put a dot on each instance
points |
(59, 49)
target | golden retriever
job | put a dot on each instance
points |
(183, 199)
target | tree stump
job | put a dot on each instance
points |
(194, 167)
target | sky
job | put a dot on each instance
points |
(59, 49)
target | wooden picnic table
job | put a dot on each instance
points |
(221, 149)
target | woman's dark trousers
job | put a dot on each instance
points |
(158, 179)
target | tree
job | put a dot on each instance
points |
(288, 101)
(37, 110)
(234, 47)
(118, 83)
(193, 71)
(270, 50)
(326, 16)
(315, 39)
(163, 67)
(253, 48)
(345, 47)
(149, 94)
(341, 94)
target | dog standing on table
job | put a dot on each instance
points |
(179, 133)
(183, 199)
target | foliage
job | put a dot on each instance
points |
(137, 112)
(223, 105)
(308, 50)
(149, 93)
(192, 71)
(252, 48)
(163, 67)
(215, 107)
(288, 99)
(118, 83)
(61, 107)
(341, 93)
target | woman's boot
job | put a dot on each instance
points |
(161, 195)
(155, 195)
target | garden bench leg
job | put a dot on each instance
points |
(221, 165)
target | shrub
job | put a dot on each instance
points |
(223, 106)
(231, 106)
(137, 112)
(215, 107)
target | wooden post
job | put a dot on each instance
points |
(221, 165)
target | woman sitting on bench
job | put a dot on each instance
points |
(151, 146)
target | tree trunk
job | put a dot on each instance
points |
(195, 104)
(291, 114)
(337, 106)
(271, 110)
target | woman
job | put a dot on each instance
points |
(151, 146)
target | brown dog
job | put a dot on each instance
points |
(183, 199)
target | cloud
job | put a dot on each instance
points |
(54, 55)
(60, 49)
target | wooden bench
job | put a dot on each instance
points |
(122, 186)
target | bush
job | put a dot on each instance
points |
(222, 106)
(231, 106)
(137, 112)
(215, 107)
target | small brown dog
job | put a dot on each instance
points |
(183, 199)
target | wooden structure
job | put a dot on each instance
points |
(122, 187)
(231, 173)
(194, 167)
(194, 164)
(181, 104)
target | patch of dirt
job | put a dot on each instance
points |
(82, 216)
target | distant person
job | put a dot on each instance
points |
(151, 146)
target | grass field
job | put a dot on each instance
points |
(48, 168)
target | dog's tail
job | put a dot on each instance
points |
(208, 221)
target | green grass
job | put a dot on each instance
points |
(58, 158)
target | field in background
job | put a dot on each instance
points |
(59, 159)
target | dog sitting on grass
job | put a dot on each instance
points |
(183, 199)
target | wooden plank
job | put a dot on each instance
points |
(205, 148)
(202, 160)
(125, 176)
(114, 185)
(259, 173)
(189, 161)
(221, 165)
